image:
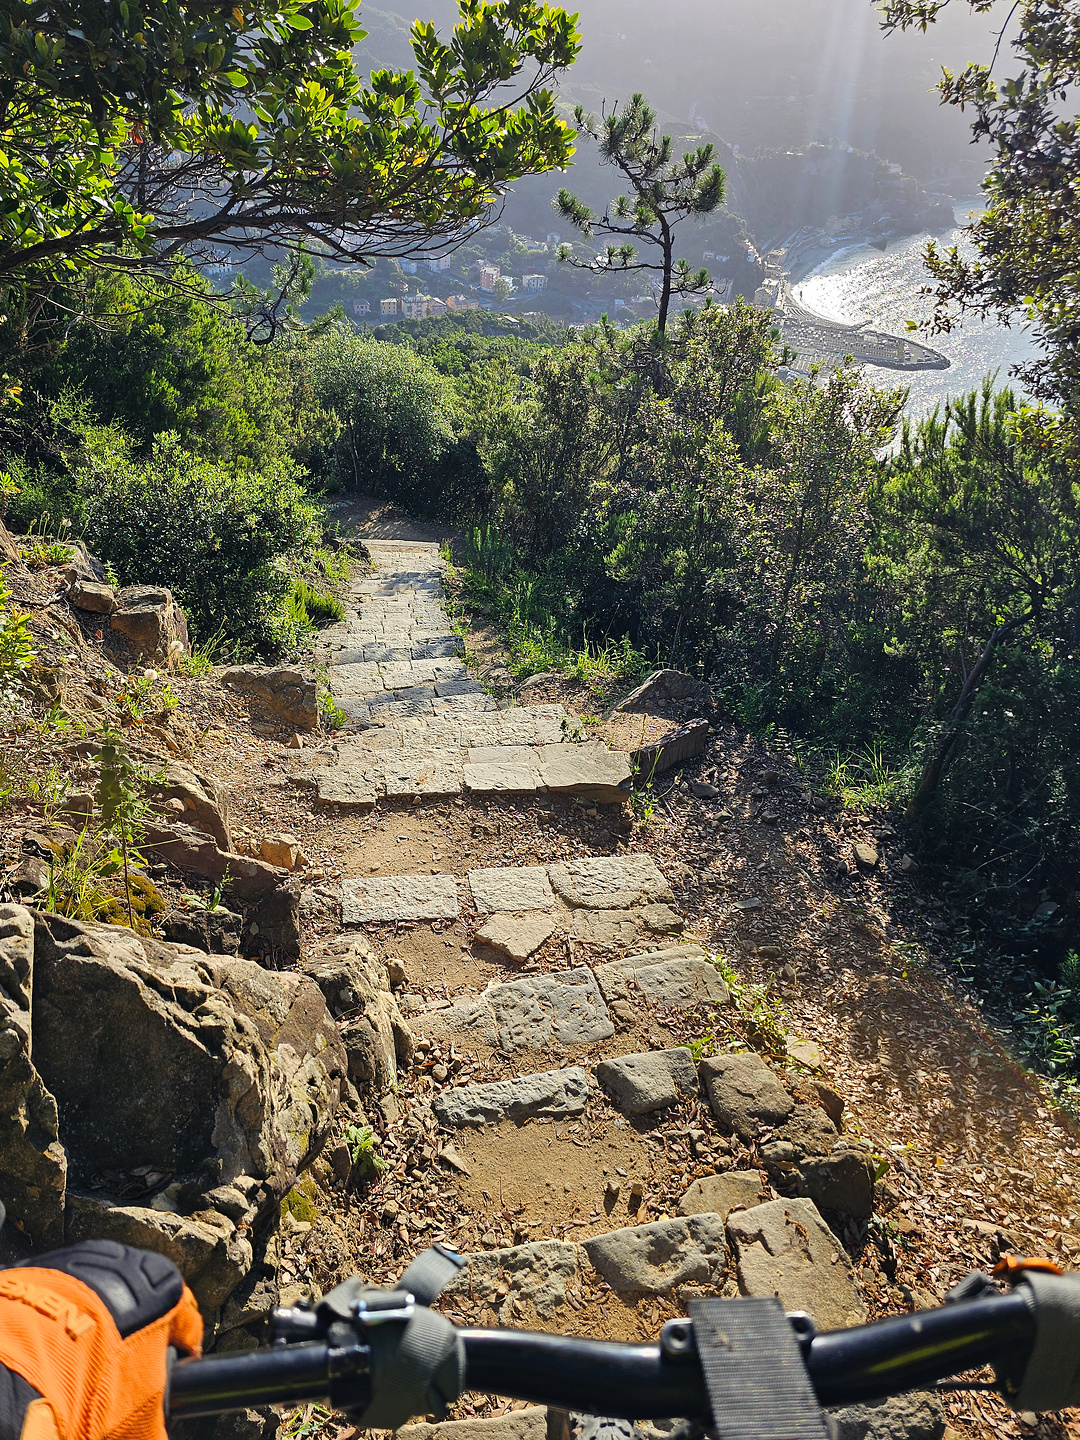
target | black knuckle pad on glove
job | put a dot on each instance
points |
(136, 1286)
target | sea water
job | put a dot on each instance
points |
(883, 288)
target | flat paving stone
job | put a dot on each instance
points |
(593, 772)
(526, 1014)
(679, 981)
(501, 778)
(610, 882)
(509, 890)
(536, 1273)
(650, 1079)
(784, 1248)
(654, 1259)
(605, 929)
(532, 1012)
(398, 897)
(550, 1095)
(350, 791)
(720, 1194)
(517, 936)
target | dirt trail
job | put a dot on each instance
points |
(974, 1159)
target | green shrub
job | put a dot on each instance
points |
(218, 535)
(319, 607)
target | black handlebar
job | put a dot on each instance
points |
(628, 1381)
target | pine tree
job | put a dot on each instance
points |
(665, 190)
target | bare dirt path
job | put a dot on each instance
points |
(972, 1159)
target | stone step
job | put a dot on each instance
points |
(429, 763)
(395, 665)
(779, 1247)
(514, 890)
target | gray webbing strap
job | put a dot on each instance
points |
(418, 1365)
(754, 1371)
(1052, 1378)
(417, 1369)
(430, 1273)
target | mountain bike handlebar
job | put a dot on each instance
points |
(625, 1381)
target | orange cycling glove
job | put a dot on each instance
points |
(84, 1340)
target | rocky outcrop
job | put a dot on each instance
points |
(288, 695)
(150, 621)
(204, 801)
(200, 1085)
(272, 926)
(33, 1166)
(664, 687)
(356, 988)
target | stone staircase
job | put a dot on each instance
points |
(418, 725)
(563, 1057)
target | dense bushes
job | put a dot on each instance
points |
(217, 534)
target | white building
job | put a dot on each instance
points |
(533, 284)
(415, 307)
(438, 264)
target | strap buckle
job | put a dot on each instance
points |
(375, 1307)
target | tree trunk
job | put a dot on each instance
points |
(665, 293)
(935, 765)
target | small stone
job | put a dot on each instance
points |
(92, 596)
(390, 1211)
(448, 1154)
(805, 1051)
(768, 952)
(395, 972)
(701, 790)
(650, 1080)
(295, 742)
(907, 864)
(31, 878)
(831, 1102)
(612, 1189)
(755, 903)
(744, 1093)
(516, 936)
(281, 850)
(866, 856)
(720, 1194)
(660, 919)
(341, 1163)
(439, 1073)
(174, 807)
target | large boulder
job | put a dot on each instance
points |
(288, 695)
(664, 687)
(744, 1093)
(33, 1166)
(784, 1248)
(204, 1068)
(151, 622)
(356, 988)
